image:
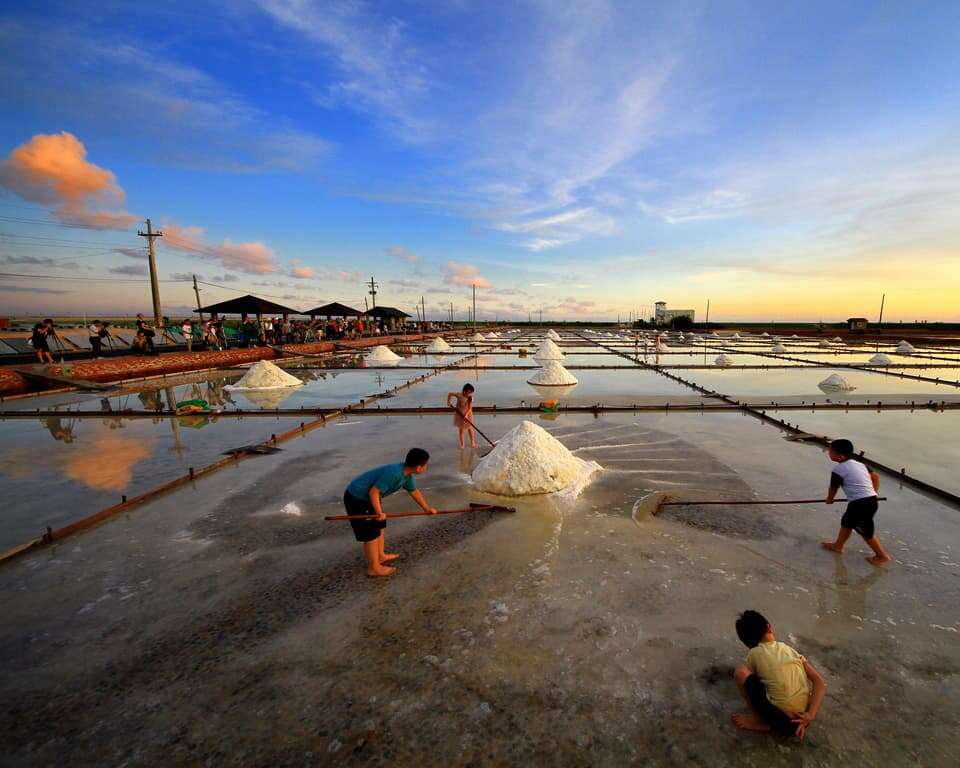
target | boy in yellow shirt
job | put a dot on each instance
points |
(782, 688)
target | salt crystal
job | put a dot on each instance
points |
(723, 361)
(880, 359)
(553, 374)
(905, 348)
(836, 383)
(382, 354)
(548, 350)
(778, 349)
(438, 345)
(265, 375)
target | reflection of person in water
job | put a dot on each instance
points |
(112, 422)
(851, 602)
(62, 433)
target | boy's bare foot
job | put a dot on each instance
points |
(383, 570)
(387, 558)
(878, 560)
(832, 547)
(749, 722)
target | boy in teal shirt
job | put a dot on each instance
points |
(364, 495)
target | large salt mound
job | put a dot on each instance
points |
(880, 359)
(439, 345)
(265, 375)
(529, 460)
(383, 354)
(824, 343)
(905, 348)
(548, 350)
(552, 334)
(836, 383)
(552, 374)
(778, 349)
(723, 361)
(838, 340)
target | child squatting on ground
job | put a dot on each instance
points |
(463, 402)
(861, 486)
(364, 496)
(776, 681)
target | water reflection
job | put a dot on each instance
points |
(107, 463)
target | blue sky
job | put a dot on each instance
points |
(788, 161)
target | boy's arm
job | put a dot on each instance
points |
(816, 698)
(875, 479)
(835, 482)
(375, 503)
(418, 497)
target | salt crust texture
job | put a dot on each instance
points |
(383, 354)
(723, 361)
(880, 359)
(836, 382)
(529, 460)
(548, 350)
(439, 345)
(265, 375)
(552, 374)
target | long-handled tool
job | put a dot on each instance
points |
(462, 416)
(666, 503)
(471, 508)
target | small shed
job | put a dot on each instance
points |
(390, 315)
(857, 323)
(248, 305)
(336, 309)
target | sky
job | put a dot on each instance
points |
(787, 161)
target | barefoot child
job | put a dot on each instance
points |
(463, 402)
(776, 681)
(861, 486)
(364, 495)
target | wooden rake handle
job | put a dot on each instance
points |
(471, 508)
(777, 501)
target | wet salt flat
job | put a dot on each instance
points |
(227, 622)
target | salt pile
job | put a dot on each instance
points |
(478, 337)
(529, 460)
(723, 361)
(552, 334)
(794, 336)
(880, 359)
(836, 383)
(824, 343)
(439, 345)
(552, 374)
(265, 375)
(778, 349)
(383, 354)
(735, 336)
(548, 351)
(838, 340)
(905, 348)
(765, 335)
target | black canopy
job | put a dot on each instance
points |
(387, 312)
(248, 305)
(336, 309)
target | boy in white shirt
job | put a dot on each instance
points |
(861, 486)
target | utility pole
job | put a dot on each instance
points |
(423, 306)
(197, 292)
(708, 313)
(154, 285)
(373, 291)
(474, 305)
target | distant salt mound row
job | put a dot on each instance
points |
(552, 334)
(529, 460)
(778, 349)
(265, 375)
(548, 350)
(905, 348)
(383, 354)
(439, 345)
(552, 374)
(723, 361)
(478, 337)
(836, 383)
(880, 359)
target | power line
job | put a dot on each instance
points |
(91, 279)
(49, 223)
(64, 240)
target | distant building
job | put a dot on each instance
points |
(857, 323)
(663, 316)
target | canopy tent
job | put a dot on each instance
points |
(336, 309)
(248, 305)
(387, 312)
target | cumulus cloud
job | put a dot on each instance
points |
(457, 273)
(301, 271)
(404, 254)
(53, 170)
(254, 258)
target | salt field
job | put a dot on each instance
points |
(578, 629)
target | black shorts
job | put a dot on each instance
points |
(772, 715)
(859, 516)
(364, 530)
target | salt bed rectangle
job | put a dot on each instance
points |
(510, 387)
(923, 441)
(803, 381)
(46, 480)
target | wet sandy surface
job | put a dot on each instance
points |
(229, 624)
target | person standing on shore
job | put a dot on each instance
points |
(96, 343)
(38, 340)
(145, 336)
(187, 330)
